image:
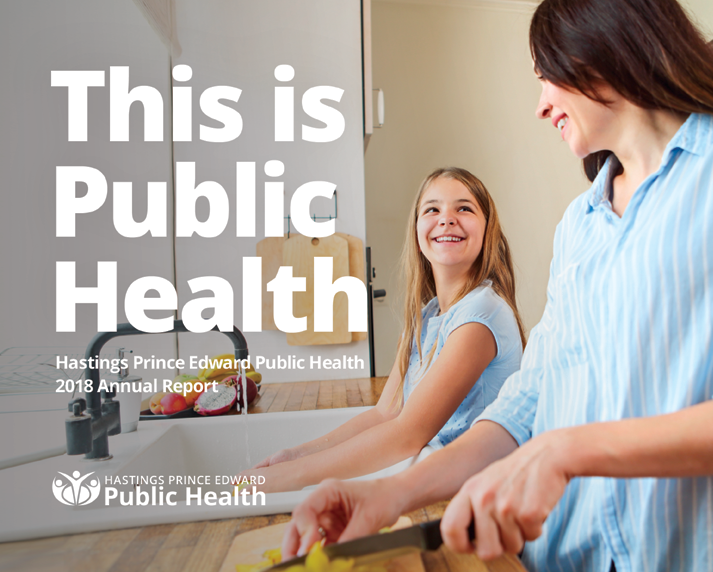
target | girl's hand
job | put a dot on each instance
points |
(509, 500)
(344, 510)
(278, 478)
(280, 457)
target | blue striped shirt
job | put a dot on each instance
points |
(626, 332)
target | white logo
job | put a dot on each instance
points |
(74, 492)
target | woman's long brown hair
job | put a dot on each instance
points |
(494, 263)
(649, 51)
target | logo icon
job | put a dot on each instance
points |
(74, 491)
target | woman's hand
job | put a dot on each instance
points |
(280, 457)
(510, 499)
(344, 511)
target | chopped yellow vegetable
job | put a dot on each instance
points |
(316, 561)
(341, 565)
(274, 555)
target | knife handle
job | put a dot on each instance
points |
(432, 533)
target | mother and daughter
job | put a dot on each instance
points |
(597, 454)
(462, 338)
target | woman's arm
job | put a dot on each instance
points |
(464, 357)
(384, 411)
(511, 499)
(677, 444)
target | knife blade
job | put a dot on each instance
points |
(424, 536)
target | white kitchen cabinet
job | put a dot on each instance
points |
(39, 37)
(240, 44)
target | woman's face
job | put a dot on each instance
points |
(450, 226)
(586, 125)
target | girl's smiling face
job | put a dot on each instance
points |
(450, 226)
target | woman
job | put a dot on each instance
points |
(462, 338)
(617, 378)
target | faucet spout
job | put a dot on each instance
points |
(105, 417)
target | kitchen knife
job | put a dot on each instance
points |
(424, 536)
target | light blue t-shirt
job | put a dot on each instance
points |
(482, 306)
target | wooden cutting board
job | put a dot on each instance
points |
(299, 252)
(248, 548)
(357, 268)
(271, 252)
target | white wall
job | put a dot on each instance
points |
(702, 13)
(240, 44)
(38, 37)
(460, 91)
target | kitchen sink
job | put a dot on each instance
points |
(186, 448)
(221, 447)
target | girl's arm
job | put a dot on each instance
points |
(349, 509)
(384, 411)
(464, 357)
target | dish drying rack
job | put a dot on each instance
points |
(33, 369)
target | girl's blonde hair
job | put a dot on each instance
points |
(494, 263)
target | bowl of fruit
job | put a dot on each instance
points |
(213, 391)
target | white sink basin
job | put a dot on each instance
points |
(213, 447)
(225, 446)
(230, 444)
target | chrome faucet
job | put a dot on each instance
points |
(89, 433)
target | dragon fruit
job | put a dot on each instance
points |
(216, 400)
(236, 380)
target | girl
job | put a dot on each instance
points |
(454, 353)
(617, 378)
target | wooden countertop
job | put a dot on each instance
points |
(309, 395)
(202, 546)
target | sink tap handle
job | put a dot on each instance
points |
(77, 406)
(110, 409)
(78, 428)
